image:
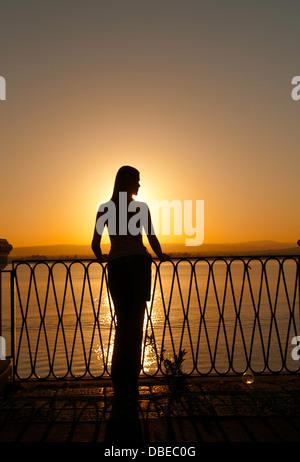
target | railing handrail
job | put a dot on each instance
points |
(172, 257)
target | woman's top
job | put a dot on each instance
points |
(122, 246)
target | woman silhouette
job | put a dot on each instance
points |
(128, 274)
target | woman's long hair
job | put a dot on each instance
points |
(125, 179)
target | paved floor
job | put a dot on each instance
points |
(182, 411)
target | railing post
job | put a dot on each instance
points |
(5, 367)
(0, 304)
(5, 249)
(298, 242)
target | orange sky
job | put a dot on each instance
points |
(197, 97)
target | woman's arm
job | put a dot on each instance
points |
(96, 242)
(154, 242)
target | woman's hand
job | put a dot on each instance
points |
(103, 258)
(164, 257)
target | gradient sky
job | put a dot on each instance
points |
(195, 94)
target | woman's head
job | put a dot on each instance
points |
(127, 180)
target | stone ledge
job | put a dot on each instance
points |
(5, 374)
(5, 249)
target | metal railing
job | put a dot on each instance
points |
(207, 315)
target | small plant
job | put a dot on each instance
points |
(150, 341)
(173, 367)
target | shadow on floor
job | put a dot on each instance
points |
(165, 411)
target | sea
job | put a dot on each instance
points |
(205, 317)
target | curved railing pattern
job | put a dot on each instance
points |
(216, 315)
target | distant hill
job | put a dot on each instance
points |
(58, 251)
(209, 249)
(250, 248)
